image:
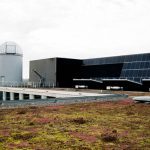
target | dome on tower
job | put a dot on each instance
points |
(10, 48)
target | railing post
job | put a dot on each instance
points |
(11, 96)
(43, 97)
(4, 96)
(21, 96)
(31, 96)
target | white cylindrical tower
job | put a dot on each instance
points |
(10, 63)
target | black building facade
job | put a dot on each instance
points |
(57, 72)
(131, 72)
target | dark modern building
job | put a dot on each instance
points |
(130, 72)
(58, 72)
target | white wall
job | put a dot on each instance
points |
(11, 67)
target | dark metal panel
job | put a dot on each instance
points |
(67, 70)
(100, 71)
(46, 68)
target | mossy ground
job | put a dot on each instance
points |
(89, 126)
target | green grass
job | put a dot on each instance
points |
(89, 126)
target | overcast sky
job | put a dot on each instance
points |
(75, 28)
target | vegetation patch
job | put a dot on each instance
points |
(88, 126)
(109, 136)
(21, 112)
(79, 120)
(85, 137)
(23, 136)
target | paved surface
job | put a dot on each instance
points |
(50, 93)
(59, 101)
(142, 98)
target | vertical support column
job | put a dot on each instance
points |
(11, 96)
(43, 97)
(31, 96)
(4, 96)
(21, 96)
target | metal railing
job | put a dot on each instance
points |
(27, 84)
(132, 79)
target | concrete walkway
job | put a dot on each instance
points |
(49, 92)
(142, 99)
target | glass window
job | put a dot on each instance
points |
(148, 73)
(133, 73)
(114, 60)
(138, 58)
(122, 73)
(131, 66)
(102, 61)
(148, 57)
(126, 73)
(99, 61)
(138, 65)
(95, 62)
(128, 58)
(109, 61)
(125, 58)
(142, 65)
(137, 79)
(129, 73)
(144, 57)
(144, 74)
(139, 73)
(119, 59)
(130, 79)
(105, 60)
(146, 64)
(134, 57)
(134, 65)
(125, 66)
(131, 58)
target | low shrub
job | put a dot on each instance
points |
(21, 112)
(25, 136)
(79, 120)
(109, 136)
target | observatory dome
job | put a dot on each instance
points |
(10, 48)
(10, 63)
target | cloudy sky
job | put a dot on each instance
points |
(75, 28)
